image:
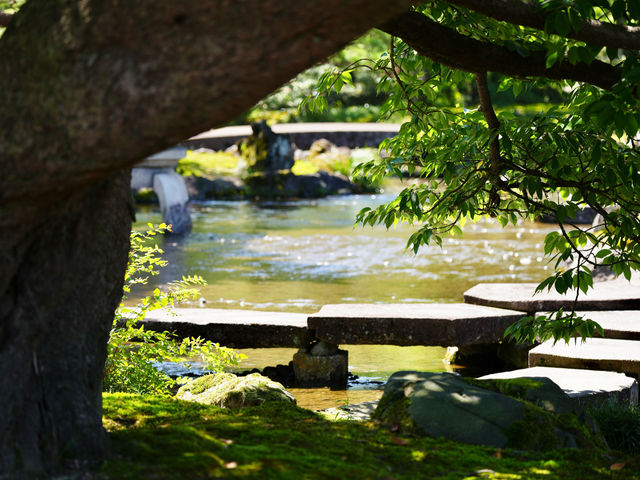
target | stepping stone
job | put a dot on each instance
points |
(411, 324)
(233, 328)
(619, 324)
(593, 354)
(585, 386)
(611, 295)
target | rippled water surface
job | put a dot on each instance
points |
(298, 256)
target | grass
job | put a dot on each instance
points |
(620, 425)
(163, 438)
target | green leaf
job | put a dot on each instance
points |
(552, 58)
(561, 23)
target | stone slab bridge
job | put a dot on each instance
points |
(471, 327)
(158, 171)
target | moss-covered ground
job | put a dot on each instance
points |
(163, 438)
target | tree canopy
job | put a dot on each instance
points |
(580, 152)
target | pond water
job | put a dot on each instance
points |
(297, 256)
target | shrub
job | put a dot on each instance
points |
(133, 350)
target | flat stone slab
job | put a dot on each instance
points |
(585, 386)
(612, 295)
(452, 324)
(619, 324)
(593, 354)
(233, 328)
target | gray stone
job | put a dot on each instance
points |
(582, 386)
(201, 188)
(592, 354)
(174, 201)
(165, 159)
(336, 183)
(445, 405)
(233, 328)
(266, 151)
(321, 371)
(304, 186)
(613, 295)
(323, 349)
(411, 324)
(620, 324)
(230, 391)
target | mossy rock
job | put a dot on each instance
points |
(266, 151)
(446, 405)
(540, 391)
(232, 391)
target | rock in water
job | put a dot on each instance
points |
(446, 405)
(230, 391)
(266, 151)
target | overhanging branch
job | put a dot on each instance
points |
(530, 15)
(448, 47)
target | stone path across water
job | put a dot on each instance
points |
(234, 328)
(583, 385)
(593, 354)
(431, 324)
(617, 324)
(611, 295)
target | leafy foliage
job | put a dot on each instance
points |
(132, 349)
(582, 152)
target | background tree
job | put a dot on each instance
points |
(88, 88)
(476, 162)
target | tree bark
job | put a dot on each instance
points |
(65, 280)
(87, 89)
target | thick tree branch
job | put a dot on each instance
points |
(494, 147)
(97, 68)
(5, 18)
(530, 15)
(447, 46)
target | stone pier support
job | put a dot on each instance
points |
(321, 365)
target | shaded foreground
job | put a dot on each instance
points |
(156, 437)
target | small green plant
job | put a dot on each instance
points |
(620, 425)
(133, 350)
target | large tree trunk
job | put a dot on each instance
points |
(57, 307)
(87, 89)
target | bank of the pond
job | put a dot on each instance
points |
(154, 437)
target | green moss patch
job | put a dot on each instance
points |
(162, 438)
(209, 164)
